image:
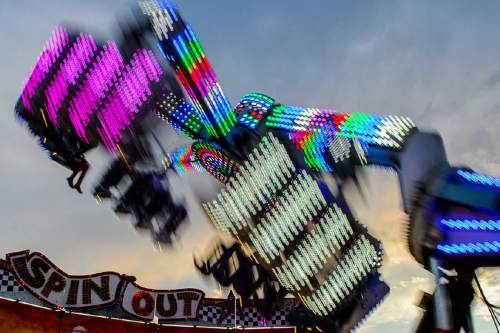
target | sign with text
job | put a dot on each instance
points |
(164, 304)
(48, 283)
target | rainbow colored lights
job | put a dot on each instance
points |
(183, 161)
(479, 179)
(470, 248)
(183, 50)
(204, 157)
(214, 160)
(313, 130)
(386, 131)
(252, 108)
(314, 145)
(485, 225)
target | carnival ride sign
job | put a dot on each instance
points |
(51, 285)
(145, 303)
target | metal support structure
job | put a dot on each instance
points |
(442, 304)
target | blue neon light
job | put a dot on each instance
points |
(471, 224)
(479, 179)
(171, 7)
(470, 248)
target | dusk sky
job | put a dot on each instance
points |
(436, 62)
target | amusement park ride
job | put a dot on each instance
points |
(293, 233)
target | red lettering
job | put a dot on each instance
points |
(143, 303)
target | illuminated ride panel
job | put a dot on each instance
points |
(85, 93)
(293, 226)
(432, 191)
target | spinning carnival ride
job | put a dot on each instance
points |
(292, 233)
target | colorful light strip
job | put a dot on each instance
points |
(252, 108)
(486, 225)
(302, 119)
(314, 145)
(183, 50)
(52, 51)
(303, 125)
(479, 179)
(72, 67)
(131, 92)
(313, 129)
(470, 248)
(184, 162)
(215, 161)
(97, 83)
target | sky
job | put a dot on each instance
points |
(436, 62)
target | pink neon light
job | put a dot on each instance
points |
(198, 80)
(207, 69)
(51, 52)
(72, 67)
(132, 91)
(100, 79)
(150, 64)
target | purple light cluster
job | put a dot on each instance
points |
(132, 91)
(51, 52)
(90, 88)
(97, 83)
(78, 58)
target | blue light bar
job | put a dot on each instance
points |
(456, 224)
(479, 179)
(470, 248)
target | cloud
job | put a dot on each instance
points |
(492, 80)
